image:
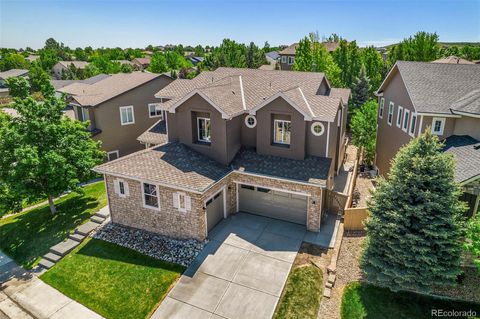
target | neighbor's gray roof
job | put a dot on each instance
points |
(224, 88)
(435, 87)
(12, 73)
(470, 103)
(453, 60)
(273, 55)
(103, 90)
(172, 165)
(58, 84)
(312, 170)
(77, 64)
(156, 134)
(466, 150)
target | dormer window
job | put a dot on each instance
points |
(204, 130)
(281, 131)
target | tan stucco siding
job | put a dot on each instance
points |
(467, 126)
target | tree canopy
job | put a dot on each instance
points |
(423, 46)
(364, 129)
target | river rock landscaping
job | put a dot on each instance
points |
(181, 252)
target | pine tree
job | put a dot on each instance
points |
(361, 89)
(415, 226)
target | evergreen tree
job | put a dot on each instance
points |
(415, 226)
(361, 89)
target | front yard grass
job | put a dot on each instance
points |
(114, 281)
(302, 293)
(366, 301)
(29, 235)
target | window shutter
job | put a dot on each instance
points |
(125, 186)
(188, 203)
(116, 187)
(175, 200)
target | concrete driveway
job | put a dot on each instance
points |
(239, 274)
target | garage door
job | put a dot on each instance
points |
(272, 203)
(214, 210)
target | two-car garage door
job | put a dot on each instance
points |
(273, 203)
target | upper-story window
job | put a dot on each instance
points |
(204, 129)
(406, 118)
(413, 122)
(391, 108)
(291, 59)
(382, 106)
(438, 125)
(399, 116)
(281, 131)
(284, 59)
(126, 115)
(154, 112)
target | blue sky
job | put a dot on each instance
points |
(137, 23)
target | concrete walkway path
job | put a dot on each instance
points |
(240, 273)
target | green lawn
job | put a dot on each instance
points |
(367, 301)
(114, 281)
(302, 293)
(29, 235)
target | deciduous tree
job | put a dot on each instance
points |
(18, 87)
(364, 129)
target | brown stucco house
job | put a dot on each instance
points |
(287, 55)
(258, 141)
(119, 107)
(63, 66)
(441, 97)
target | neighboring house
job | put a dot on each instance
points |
(62, 66)
(119, 108)
(272, 59)
(58, 84)
(195, 59)
(13, 73)
(453, 60)
(287, 55)
(32, 57)
(441, 97)
(263, 142)
(142, 63)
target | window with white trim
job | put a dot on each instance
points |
(121, 188)
(126, 115)
(204, 129)
(413, 123)
(382, 106)
(438, 125)
(113, 155)
(281, 131)
(284, 59)
(406, 119)
(399, 116)
(150, 196)
(317, 128)
(391, 108)
(250, 121)
(182, 202)
(154, 112)
(291, 60)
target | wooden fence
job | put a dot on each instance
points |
(353, 218)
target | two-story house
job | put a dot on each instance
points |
(258, 141)
(119, 107)
(62, 66)
(287, 55)
(441, 97)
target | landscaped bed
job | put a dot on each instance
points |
(29, 235)
(114, 281)
(367, 301)
(302, 293)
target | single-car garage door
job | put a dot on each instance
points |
(272, 203)
(214, 210)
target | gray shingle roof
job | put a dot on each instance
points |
(156, 134)
(312, 169)
(466, 150)
(13, 73)
(470, 103)
(224, 87)
(58, 84)
(77, 64)
(435, 87)
(174, 165)
(453, 60)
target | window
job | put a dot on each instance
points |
(382, 104)
(150, 196)
(182, 202)
(413, 122)
(406, 118)
(250, 121)
(391, 108)
(113, 155)
(154, 112)
(438, 125)
(121, 188)
(282, 130)
(291, 59)
(204, 129)
(284, 59)
(317, 128)
(399, 116)
(126, 115)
